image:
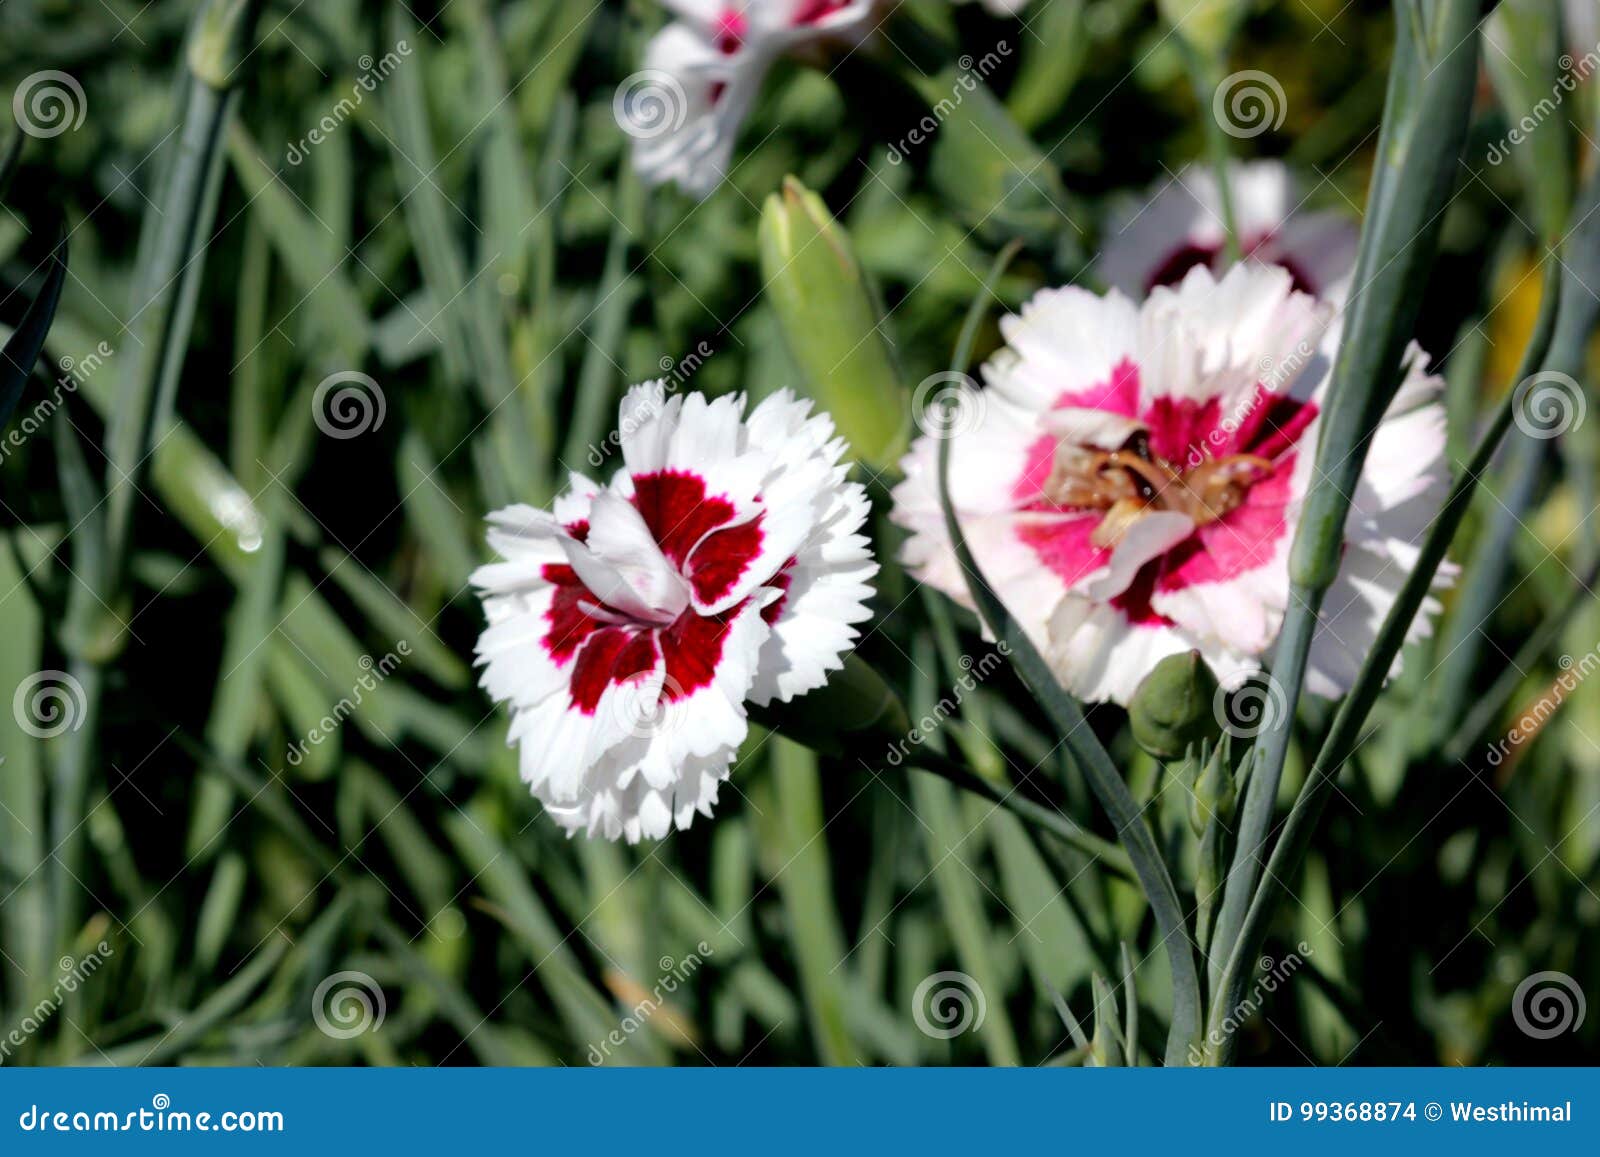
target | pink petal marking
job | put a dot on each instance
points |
(1180, 428)
(1184, 432)
(815, 11)
(1272, 426)
(1119, 394)
(730, 31)
(1240, 541)
(570, 624)
(781, 581)
(1135, 601)
(613, 655)
(1062, 544)
(679, 512)
(693, 649)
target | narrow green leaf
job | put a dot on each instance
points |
(308, 250)
(1343, 736)
(948, 842)
(1086, 751)
(27, 340)
(793, 831)
(1429, 102)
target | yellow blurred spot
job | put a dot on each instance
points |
(1511, 319)
(648, 1006)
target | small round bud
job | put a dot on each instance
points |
(1172, 708)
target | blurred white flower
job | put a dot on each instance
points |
(1179, 225)
(1135, 481)
(713, 60)
(1583, 26)
(627, 628)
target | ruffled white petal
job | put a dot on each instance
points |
(1064, 340)
(828, 583)
(1099, 654)
(706, 95)
(708, 69)
(1402, 489)
(660, 763)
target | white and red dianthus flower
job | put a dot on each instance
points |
(628, 627)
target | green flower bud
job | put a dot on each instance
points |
(1211, 809)
(1214, 796)
(1174, 706)
(830, 324)
(1105, 1047)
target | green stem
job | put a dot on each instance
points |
(164, 299)
(160, 325)
(1487, 707)
(69, 781)
(1082, 744)
(1261, 786)
(1046, 819)
(1206, 74)
(1431, 86)
(1482, 589)
(1343, 736)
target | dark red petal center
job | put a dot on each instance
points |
(696, 530)
(1175, 266)
(698, 533)
(730, 31)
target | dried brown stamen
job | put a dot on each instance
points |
(1131, 481)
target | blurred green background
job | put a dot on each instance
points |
(471, 239)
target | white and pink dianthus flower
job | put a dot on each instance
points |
(703, 72)
(1158, 239)
(1132, 477)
